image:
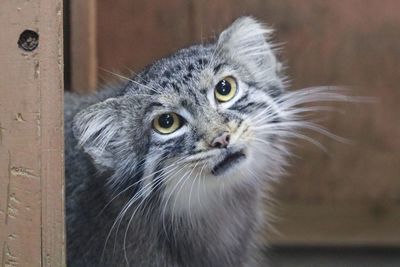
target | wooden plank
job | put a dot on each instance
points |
(132, 34)
(83, 45)
(52, 138)
(31, 134)
(335, 224)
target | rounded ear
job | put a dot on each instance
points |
(247, 41)
(95, 128)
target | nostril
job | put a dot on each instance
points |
(227, 138)
(217, 145)
(221, 141)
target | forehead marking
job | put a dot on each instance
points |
(218, 67)
(175, 87)
(202, 61)
(167, 74)
(190, 67)
(150, 107)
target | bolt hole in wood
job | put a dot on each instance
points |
(28, 40)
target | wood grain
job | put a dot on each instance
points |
(336, 224)
(83, 46)
(132, 34)
(31, 140)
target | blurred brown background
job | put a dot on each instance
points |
(349, 195)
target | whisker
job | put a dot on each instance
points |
(142, 79)
(201, 179)
(130, 80)
(127, 228)
(190, 193)
(292, 125)
(169, 196)
(140, 180)
(121, 214)
(293, 135)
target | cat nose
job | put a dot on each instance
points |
(221, 141)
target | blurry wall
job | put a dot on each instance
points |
(351, 194)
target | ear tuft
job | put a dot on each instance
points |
(95, 127)
(247, 41)
(245, 32)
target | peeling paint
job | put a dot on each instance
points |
(12, 211)
(14, 199)
(59, 9)
(3, 262)
(24, 172)
(36, 73)
(10, 260)
(1, 134)
(19, 118)
(8, 189)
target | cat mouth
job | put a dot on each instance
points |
(229, 160)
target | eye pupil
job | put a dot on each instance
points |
(166, 121)
(223, 88)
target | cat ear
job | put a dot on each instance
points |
(246, 41)
(95, 128)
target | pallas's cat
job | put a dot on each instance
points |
(171, 167)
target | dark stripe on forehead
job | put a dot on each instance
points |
(219, 66)
(193, 95)
(151, 106)
(187, 77)
(188, 106)
(190, 67)
(202, 61)
(167, 74)
(164, 84)
(175, 87)
(203, 91)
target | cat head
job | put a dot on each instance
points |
(198, 120)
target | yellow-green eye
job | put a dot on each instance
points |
(225, 90)
(167, 123)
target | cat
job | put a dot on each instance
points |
(170, 168)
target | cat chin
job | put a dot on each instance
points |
(197, 195)
(230, 162)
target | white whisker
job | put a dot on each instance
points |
(131, 80)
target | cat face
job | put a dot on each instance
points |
(195, 123)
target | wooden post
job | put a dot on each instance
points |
(83, 56)
(31, 134)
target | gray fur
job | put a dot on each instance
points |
(133, 197)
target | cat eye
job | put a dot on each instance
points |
(167, 123)
(225, 89)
